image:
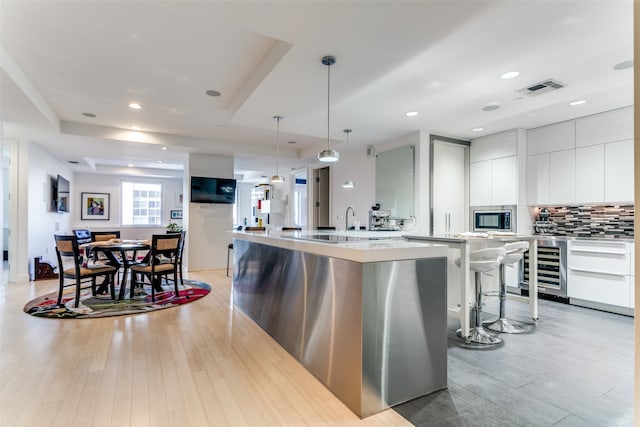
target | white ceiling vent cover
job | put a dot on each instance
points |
(544, 86)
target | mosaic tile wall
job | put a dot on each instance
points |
(593, 221)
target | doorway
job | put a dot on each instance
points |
(321, 197)
(299, 204)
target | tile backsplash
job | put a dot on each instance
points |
(593, 221)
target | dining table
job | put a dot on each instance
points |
(116, 253)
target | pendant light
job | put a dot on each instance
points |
(348, 184)
(328, 155)
(277, 177)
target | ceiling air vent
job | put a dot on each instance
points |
(545, 86)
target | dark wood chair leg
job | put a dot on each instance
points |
(61, 288)
(228, 251)
(153, 288)
(113, 286)
(77, 301)
(132, 284)
(93, 286)
(175, 280)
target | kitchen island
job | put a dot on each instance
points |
(467, 242)
(365, 315)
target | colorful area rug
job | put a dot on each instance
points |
(91, 307)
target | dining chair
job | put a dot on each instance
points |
(70, 267)
(163, 261)
(180, 252)
(102, 236)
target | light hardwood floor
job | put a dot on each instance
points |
(203, 363)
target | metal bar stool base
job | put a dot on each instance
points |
(479, 336)
(506, 327)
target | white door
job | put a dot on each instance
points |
(449, 188)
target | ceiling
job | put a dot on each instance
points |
(442, 59)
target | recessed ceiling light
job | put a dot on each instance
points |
(135, 106)
(165, 148)
(578, 102)
(88, 114)
(477, 129)
(411, 114)
(490, 107)
(211, 92)
(135, 127)
(624, 65)
(510, 75)
(130, 165)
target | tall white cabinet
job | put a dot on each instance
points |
(587, 160)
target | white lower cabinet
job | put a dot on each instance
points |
(601, 273)
(604, 288)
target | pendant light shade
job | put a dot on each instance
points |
(328, 155)
(348, 184)
(277, 177)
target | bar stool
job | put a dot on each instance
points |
(229, 249)
(515, 252)
(481, 261)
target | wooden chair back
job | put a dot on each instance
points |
(103, 236)
(67, 250)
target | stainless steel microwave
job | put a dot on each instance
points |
(493, 218)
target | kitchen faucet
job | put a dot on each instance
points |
(346, 217)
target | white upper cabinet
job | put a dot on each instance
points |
(493, 182)
(538, 179)
(493, 171)
(589, 160)
(562, 176)
(616, 125)
(504, 182)
(480, 183)
(590, 174)
(618, 171)
(555, 137)
(503, 144)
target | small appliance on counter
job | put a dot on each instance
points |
(380, 220)
(543, 225)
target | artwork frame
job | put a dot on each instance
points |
(95, 206)
(176, 214)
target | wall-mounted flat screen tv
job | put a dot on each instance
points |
(62, 194)
(213, 190)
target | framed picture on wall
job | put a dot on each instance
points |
(94, 206)
(176, 214)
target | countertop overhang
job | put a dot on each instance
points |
(383, 246)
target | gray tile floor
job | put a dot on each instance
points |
(574, 369)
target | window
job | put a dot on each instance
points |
(141, 203)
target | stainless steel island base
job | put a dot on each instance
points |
(374, 333)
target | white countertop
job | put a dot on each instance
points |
(388, 246)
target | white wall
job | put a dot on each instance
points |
(111, 184)
(43, 220)
(207, 225)
(361, 170)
